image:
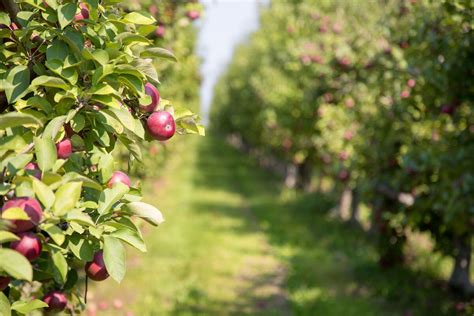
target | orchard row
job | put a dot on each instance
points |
(375, 95)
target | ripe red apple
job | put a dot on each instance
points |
(193, 14)
(84, 14)
(161, 125)
(119, 176)
(31, 207)
(344, 175)
(56, 301)
(96, 269)
(447, 109)
(35, 171)
(64, 148)
(4, 281)
(411, 83)
(29, 245)
(343, 155)
(160, 31)
(153, 92)
(405, 94)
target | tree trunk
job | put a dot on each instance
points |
(303, 178)
(354, 219)
(460, 277)
(345, 203)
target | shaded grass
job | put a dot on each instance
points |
(232, 230)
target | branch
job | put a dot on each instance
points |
(406, 199)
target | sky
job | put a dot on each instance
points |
(225, 24)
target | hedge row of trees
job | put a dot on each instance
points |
(377, 95)
(77, 80)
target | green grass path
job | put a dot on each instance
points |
(235, 243)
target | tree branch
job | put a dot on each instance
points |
(406, 199)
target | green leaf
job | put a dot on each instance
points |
(58, 50)
(14, 119)
(14, 213)
(46, 153)
(139, 18)
(114, 258)
(43, 192)
(48, 81)
(4, 18)
(130, 237)
(158, 52)
(19, 80)
(109, 197)
(4, 305)
(79, 217)
(106, 167)
(66, 198)
(15, 264)
(7, 236)
(146, 211)
(54, 126)
(66, 13)
(99, 55)
(56, 233)
(25, 307)
(81, 247)
(60, 267)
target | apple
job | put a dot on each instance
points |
(160, 31)
(29, 245)
(35, 171)
(64, 148)
(84, 14)
(56, 301)
(119, 176)
(404, 94)
(153, 92)
(193, 15)
(411, 83)
(4, 281)
(161, 125)
(31, 207)
(343, 155)
(96, 269)
(447, 109)
(344, 175)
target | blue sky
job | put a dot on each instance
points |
(225, 24)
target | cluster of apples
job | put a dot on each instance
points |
(29, 243)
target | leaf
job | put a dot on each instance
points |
(43, 192)
(15, 264)
(66, 13)
(14, 119)
(19, 80)
(4, 305)
(99, 55)
(48, 81)
(114, 258)
(146, 211)
(58, 50)
(158, 52)
(109, 197)
(81, 247)
(14, 213)
(106, 167)
(4, 18)
(130, 237)
(56, 233)
(7, 236)
(139, 18)
(79, 217)
(66, 198)
(46, 153)
(52, 129)
(60, 267)
(25, 307)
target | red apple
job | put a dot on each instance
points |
(160, 31)
(56, 301)
(411, 83)
(4, 281)
(405, 94)
(96, 269)
(161, 125)
(344, 175)
(193, 14)
(31, 207)
(119, 176)
(35, 171)
(29, 245)
(84, 14)
(64, 148)
(447, 109)
(153, 92)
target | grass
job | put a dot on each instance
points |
(237, 243)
